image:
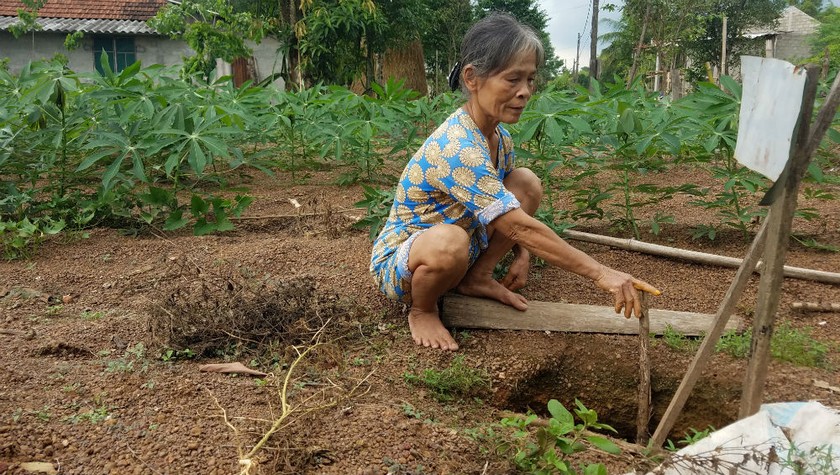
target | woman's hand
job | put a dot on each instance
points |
(625, 289)
(517, 275)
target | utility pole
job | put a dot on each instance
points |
(723, 51)
(577, 59)
(593, 48)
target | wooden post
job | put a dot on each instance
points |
(723, 51)
(593, 47)
(643, 416)
(727, 306)
(779, 228)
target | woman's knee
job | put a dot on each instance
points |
(526, 186)
(443, 245)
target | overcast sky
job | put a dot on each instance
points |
(568, 18)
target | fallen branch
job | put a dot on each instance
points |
(696, 256)
(815, 307)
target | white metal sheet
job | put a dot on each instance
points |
(770, 103)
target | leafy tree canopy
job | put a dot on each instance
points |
(211, 28)
(828, 37)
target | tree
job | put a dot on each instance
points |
(740, 15)
(811, 7)
(211, 28)
(445, 25)
(828, 38)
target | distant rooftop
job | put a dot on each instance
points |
(88, 16)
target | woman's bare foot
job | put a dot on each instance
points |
(427, 330)
(479, 285)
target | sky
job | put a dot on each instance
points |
(567, 18)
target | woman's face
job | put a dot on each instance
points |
(502, 97)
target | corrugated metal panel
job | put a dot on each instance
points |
(67, 25)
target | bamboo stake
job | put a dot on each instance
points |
(727, 306)
(643, 416)
(696, 256)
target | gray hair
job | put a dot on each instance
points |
(491, 44)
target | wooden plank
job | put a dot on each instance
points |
(470, 312)
(770, 285)
(707, 348)
(644, 412)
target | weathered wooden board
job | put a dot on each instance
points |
(470, 312)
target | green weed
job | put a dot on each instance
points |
(456, 381)
(691, 437)
(93, 415)
(788, 344)
(91, 315)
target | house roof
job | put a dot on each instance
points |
(88, 16)
(792, 20)
(68, 25)
(138, 10)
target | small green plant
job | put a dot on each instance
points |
(54, 309)
(359, 361)
(170, 354)
(457, 380)
(818, 460)
(414, 413)
(91, 315)
(546, 450)
(93, 415)
(16, 414)
(691, 437)
(20, 239)
(377, 203)
(679, 341)
(43, 414)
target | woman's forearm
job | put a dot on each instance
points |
(541, 241)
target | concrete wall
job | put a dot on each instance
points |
(149, 50)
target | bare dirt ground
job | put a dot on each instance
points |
(86, 383)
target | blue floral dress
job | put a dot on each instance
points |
(451, 180)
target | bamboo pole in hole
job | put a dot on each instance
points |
(643, 416)
(727, 306)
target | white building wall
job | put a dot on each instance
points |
(150, 50)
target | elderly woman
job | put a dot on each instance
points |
(461, 204)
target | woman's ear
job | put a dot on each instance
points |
(469, 77)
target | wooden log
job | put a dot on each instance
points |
(470, 312)
(696, 256)
(644, 412)
(815, 307)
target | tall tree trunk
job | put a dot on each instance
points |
(593, 51)
(289, 16)
(638, 52)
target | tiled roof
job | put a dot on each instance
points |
(68, 25)
(140, 10)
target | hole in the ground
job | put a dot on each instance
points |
(610, 387)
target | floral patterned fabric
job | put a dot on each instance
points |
(451, 180)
